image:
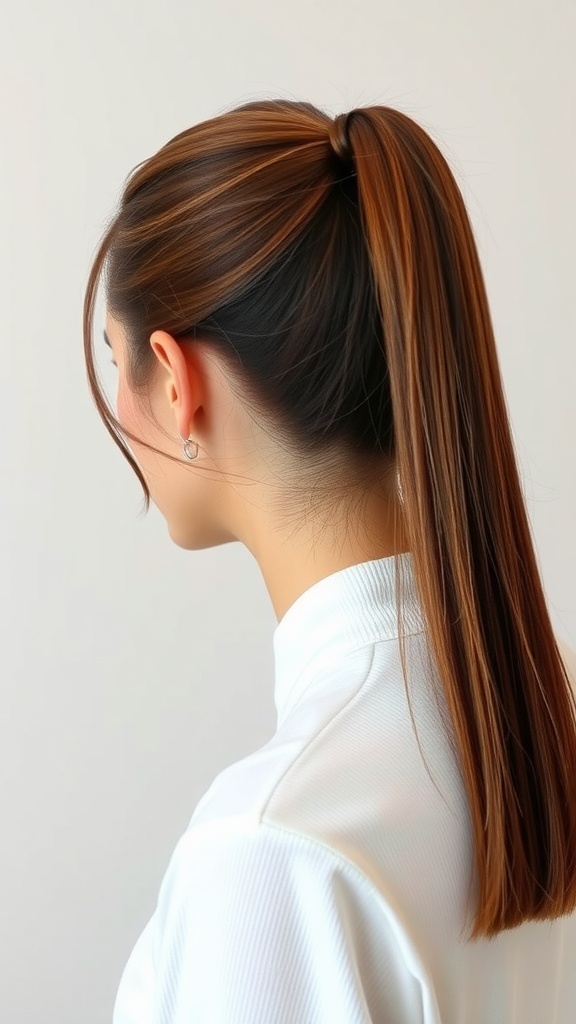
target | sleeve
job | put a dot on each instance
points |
(257, 926)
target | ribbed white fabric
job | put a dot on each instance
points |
(323, 879)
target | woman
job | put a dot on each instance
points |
(307, 364)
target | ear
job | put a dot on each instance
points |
(177, 383)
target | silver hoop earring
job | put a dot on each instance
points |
(186, 444)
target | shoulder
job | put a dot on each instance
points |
(255, 915)
(253, 877)
(243, 852)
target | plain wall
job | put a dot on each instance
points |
(133, 672)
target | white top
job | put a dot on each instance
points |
(323, 878)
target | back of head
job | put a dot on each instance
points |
(332, 264)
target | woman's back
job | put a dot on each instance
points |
(326, 876)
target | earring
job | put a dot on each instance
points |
(186, 444)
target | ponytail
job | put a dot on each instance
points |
(505, 684)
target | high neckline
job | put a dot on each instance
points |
(341, 612)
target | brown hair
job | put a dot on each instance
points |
(321, 255)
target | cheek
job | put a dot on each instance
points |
(131, 415)
(121, 405)
(126, 408)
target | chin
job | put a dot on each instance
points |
(196, 538)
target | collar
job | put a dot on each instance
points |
(338, 614)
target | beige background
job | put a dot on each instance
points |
(133, 672)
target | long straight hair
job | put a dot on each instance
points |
(332, 263)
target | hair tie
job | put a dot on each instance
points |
(338, 136)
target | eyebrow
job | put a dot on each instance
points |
(107, 339)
